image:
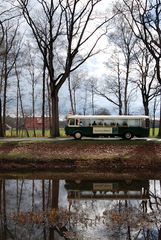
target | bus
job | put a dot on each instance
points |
(124, 126)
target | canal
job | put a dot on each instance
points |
(55, 207)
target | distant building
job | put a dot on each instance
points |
(36, 122)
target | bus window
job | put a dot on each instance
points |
(94, 123)
(134, 122)
(124, 124)
(112, 124)
(71, 122)
(77, 122)
(84, 122)
(100, 123)
(106, 122)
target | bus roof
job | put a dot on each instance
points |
(107, 116)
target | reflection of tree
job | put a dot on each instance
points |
(19, 193)
(4, 226)
(42, 217)
(54, 204)
(43, 206)
(155, 206)
(124, 218)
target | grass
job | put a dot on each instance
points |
(22, 133)
(156, 130)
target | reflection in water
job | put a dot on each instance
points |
(79, 209)
(108, 189)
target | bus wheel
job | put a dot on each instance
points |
(77, 135)
(128, 135)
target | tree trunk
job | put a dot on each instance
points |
(20, 97)
(119, 88)
(70, 94)
(55, 114)
(159, 133)
(1, 125)
(17, 112)
(43, 102)
(126, 88)
(4, 105)
(85, 102)
(49, 105)
(146, 108)
(74, 98)
(33, 106)
(159, 80)
(93, 110)
(154, 111)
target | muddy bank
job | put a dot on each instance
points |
(76, 156)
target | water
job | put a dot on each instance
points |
(92, 208)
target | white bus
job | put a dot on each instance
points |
(124, 126)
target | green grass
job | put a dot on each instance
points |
(23, 134)
(156, 130)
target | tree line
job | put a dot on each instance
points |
(46, 44)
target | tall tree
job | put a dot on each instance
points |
(145, 22)
(33, 81)
(112, 89)
(8, 32)
(19, 99)
(74, 84)
(146, 77)
(71, 27)
(9, 56)
(92, 86)
(1, 125)
(125, 41)
(115, 87)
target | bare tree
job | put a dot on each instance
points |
(115, 85)
(1, 120)
(145, 24)
(85, 99)
(146, 80)
(19, 98)
(125, 41)
(92, 86)
(9, 56)
(74, 85)
(33, 80)
(70, 25)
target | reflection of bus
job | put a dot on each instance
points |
(111, 189)
(97, 125)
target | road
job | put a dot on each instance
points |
(5, 139)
